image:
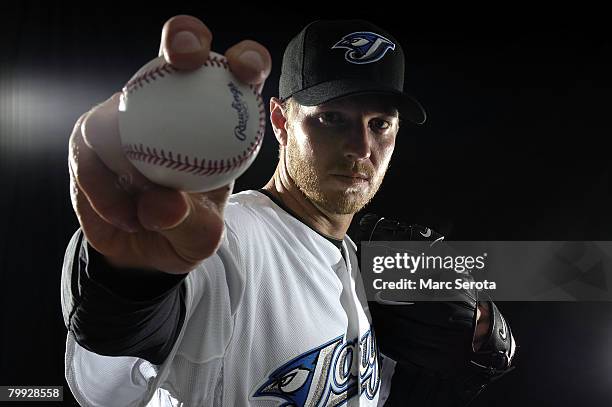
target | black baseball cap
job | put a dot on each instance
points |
(330, 59)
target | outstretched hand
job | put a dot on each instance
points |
(133, 222)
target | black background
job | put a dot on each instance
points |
(514, 149)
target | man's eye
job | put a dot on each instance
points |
(379, 124)
(331, 118)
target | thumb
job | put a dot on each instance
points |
(192, 223)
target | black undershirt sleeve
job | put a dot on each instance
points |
(123, 312)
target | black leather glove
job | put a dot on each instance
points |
(431, 342)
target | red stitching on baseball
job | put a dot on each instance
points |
(181, 163)
(157, 72)
(148, 77)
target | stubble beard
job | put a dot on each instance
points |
(304, 173)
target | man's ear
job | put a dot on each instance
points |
(278, 119)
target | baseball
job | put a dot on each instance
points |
(193, 131)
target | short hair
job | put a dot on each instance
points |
(290, 107)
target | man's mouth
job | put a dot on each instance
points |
(352, 178)
(357, 175)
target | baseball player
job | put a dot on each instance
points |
(251, 299)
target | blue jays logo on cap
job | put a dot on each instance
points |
(364, 47)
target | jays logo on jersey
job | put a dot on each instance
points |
(364, 47)
(326, 376)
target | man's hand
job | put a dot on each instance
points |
(483, 325)
(131, 221)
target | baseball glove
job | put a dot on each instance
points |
(431, 342)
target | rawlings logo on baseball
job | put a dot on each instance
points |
(185, 130)
(242, 110)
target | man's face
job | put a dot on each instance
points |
(337, 153)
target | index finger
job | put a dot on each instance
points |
(185, 42)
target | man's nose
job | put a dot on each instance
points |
(358, 143)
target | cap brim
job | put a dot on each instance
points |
(324, 92)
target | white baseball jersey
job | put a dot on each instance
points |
(276, 317)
